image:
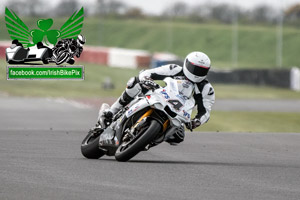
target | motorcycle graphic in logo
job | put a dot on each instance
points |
(33, 45)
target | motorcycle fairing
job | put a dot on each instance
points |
(168, 98)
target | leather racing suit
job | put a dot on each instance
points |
(204, 94)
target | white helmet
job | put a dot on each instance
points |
(81, 40)
(196, 66)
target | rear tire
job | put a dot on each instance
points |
(71, 61)
(45, 61)
(90, 147)
(124, 154)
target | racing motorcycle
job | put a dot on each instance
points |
(148, 120)
(64, 54)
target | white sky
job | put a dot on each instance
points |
(157, 6)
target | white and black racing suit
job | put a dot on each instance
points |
(204, 94)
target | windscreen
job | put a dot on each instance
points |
(180, 87)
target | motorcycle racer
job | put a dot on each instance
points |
(76, 47)
(195, 68)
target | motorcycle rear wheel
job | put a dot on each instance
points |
(90, 147)
(127, 151)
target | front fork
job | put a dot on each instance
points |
(131, 132)
(147, 114)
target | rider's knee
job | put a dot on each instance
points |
(132, 82)
(133, 87)
(175, 135)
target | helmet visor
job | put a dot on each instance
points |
(80, 42)
(196, 69)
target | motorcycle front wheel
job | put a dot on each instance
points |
(128, 150)
(62, 57)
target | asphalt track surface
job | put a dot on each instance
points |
(40, 159)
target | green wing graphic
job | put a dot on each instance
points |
(72, 27)
(17, 29)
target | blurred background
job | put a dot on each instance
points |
(253, 45)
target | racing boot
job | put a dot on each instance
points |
(108, 141)
(105, 116)
(132, 90)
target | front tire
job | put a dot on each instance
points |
(126, 151)
(62, 57)
(90, 147)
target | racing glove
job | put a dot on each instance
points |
(194, 123)
(149, 84)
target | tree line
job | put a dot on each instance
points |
(206, 12)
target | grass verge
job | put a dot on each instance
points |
(91, 87)
(252, 122)
(220, 121)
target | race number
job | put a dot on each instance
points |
(175, 103)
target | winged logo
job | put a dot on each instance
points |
(18, 30)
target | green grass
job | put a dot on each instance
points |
(253, 92)
(252, 122)
(257, 43)
(220, 121)
(91, 87)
